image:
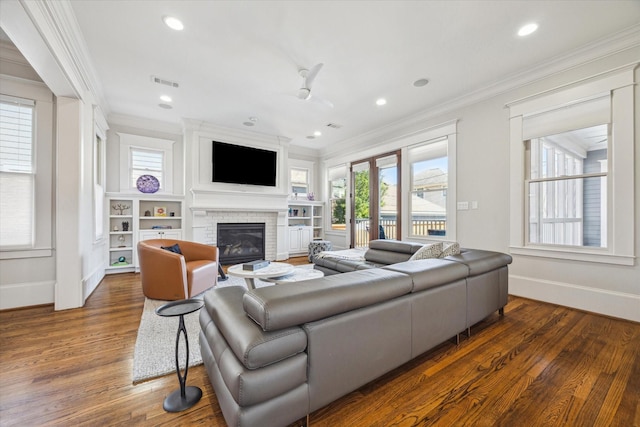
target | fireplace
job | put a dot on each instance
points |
(240, 242)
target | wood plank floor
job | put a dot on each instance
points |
(539, 365)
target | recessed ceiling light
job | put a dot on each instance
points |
(527, 29)
(166, 98)
(421, 82)
(317, 133)
(381, 101)
(165, 106)
(173, 23)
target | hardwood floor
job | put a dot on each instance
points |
(539, 365)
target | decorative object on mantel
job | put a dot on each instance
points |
(147, 184)
(120, 207)
(311, 196)
(159, 211)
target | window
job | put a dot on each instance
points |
(572, 171)
(429, 163)
(338, 197)
(17, 172)
(299, 181)
(144, 155)
(98, 187)
(567, 183)
(146, 162)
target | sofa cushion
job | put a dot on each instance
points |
(290, 304)
(432, 250)
(254, 347)
(430, 273)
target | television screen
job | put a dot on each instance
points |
(237, 164)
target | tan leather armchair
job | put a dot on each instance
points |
(167, 275)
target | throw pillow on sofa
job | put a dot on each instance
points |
(432, 250)
(450, 248)
(175, 248)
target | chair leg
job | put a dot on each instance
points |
(223, 276)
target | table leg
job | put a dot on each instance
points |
(186, 397)
(251, 284)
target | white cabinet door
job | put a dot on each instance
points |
(306, 234)
(294, 239)
(299, 239)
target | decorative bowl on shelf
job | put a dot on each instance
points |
(147, 184)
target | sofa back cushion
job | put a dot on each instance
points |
(297, 303)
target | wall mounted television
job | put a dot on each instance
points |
(237, 164)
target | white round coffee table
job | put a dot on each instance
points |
(298, 274)
(274, 269)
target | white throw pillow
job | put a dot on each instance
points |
(432, 250)
(450, 248)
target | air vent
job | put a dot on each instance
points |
(164, 82)
(334, 126)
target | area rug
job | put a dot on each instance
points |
(155, 348)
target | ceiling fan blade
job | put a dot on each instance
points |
(319, 100)
(312, 73)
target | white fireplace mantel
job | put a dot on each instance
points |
(238, 200)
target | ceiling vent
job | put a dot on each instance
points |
(164, 82)
(334, 126)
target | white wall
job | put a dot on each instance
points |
(483, 175)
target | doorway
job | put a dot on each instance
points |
(375, 199)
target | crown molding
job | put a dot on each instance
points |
(602, 48)
(48, 35)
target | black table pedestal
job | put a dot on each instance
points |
(185, 397)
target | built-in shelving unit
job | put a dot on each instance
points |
(305, 221)
(139, 218)
(121, 236)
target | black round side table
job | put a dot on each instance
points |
(186, 397)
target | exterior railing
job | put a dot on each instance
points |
(419, 227)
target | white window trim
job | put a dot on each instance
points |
(128, 141)
(621, 231)
(448, 132)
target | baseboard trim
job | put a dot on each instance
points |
(609, 303)
(27, 294)
(91, 283)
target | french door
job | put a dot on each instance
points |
(375, 199)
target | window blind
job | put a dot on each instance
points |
(16, 172)
(578, 115)
(16, 134)
(146, 162)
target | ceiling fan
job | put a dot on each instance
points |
(308, 76)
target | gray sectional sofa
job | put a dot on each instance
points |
(275, 354)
